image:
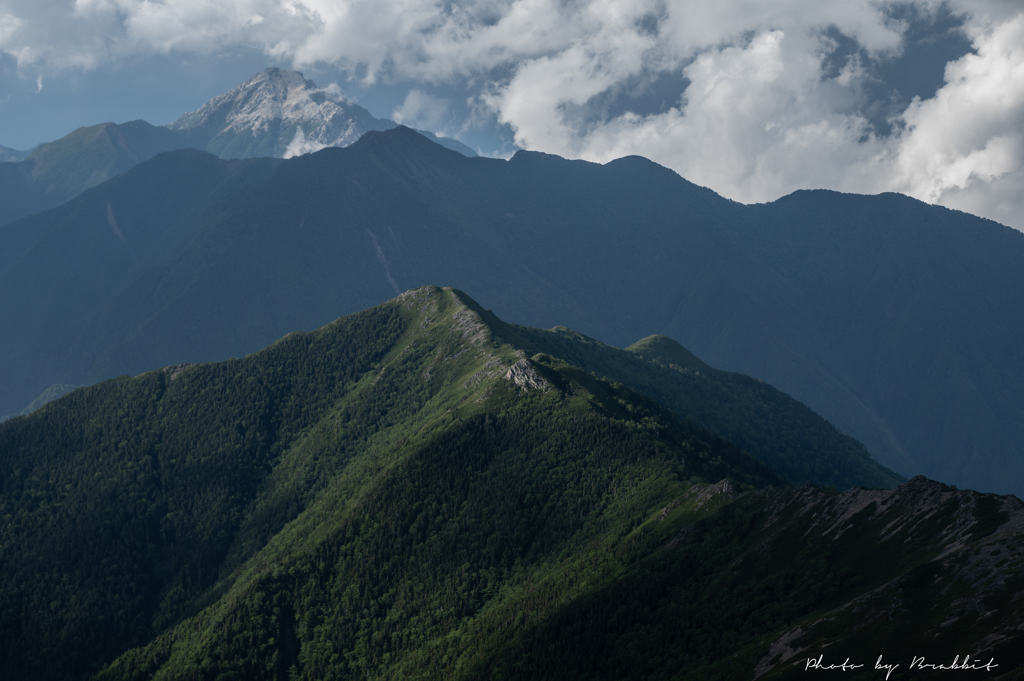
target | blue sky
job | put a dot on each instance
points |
(753, 98)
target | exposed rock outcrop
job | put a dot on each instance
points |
(524, 375)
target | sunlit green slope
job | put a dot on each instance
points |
(125, 503)
(408, 493)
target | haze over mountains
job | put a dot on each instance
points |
(8, 154)
(895, 320)
(275, 113)
(54, 172)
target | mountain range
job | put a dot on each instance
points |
(57, 171)
(8, 154)
(422, 490)
(274, 114)
(206, 473)
(895, 320)
(281, 114)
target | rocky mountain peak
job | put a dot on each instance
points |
(273, 94)
(279, 113)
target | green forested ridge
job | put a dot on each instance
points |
(895, 320)
(121, 502)
(781, 432)
(402, 493)
(124, 502)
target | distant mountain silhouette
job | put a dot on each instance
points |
(273, 114)
(57, 171)
(7, 154)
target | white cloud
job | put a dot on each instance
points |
(9, 25)
(965, 146)
(761, 118)
(422, 110)
(300, 145)
(756, 122)
(334, 92)
(762, 115)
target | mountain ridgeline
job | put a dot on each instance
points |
(897, 321)
(280, 114)
(408, 492)
(57, 171)
(7, 154)
(274, 114)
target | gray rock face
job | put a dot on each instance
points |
(278, 113)
(524, 375)
(281, 114)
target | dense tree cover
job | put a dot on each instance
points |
(698, 606)
(442, 571)
(377, 499)
(432, 542)
(123, 502)
(781, 432)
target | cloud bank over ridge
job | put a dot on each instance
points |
(753, 98)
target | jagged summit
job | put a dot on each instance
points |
(282, 114)
(278, 113)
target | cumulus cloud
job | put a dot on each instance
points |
(762, 116)
(768, 101)
(334, 92)
(965, 145)
(9, 25)
(300, 145)
(422, 110)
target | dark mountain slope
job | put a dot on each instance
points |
(58, 267)
(620, 252)
(918, 309)
(688, 592)
(350, 227)
(57, 171)
(863, 574)
(260, 118)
